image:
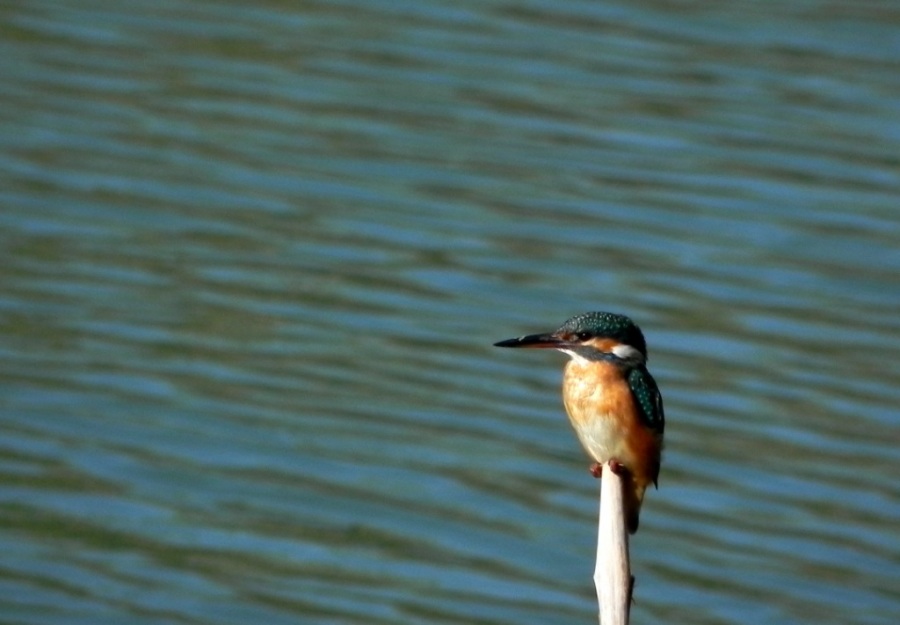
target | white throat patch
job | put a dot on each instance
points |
(581, 360)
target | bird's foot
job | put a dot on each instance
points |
(615, 466)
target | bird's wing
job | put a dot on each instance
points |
(649, 400)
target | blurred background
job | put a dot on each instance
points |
(254, 256)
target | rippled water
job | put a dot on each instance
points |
(254, 258)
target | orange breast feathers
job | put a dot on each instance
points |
(604, 414)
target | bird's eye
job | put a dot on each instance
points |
(583, 336)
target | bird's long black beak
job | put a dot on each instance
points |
(545, 341)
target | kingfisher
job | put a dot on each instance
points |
(612, 401)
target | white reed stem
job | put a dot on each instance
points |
(612, 575)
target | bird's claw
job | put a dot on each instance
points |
(615, 466)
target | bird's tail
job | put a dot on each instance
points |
(633, 497)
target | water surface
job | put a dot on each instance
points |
(254, 259)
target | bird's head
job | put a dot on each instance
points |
(591, 336)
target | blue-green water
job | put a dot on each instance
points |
(254, 257)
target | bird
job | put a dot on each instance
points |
(612, 401)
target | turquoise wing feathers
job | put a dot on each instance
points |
(649, 400)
